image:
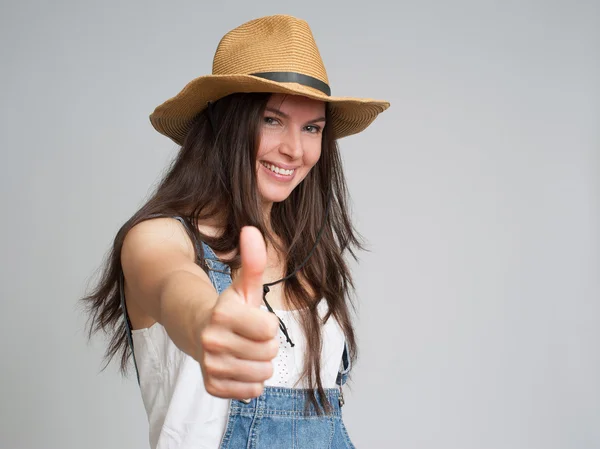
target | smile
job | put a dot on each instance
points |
(278, 170)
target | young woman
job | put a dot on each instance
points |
(229, 286)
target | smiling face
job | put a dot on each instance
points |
(290, 144)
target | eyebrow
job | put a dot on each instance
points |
(284, 115)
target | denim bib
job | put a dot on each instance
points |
(277, 418)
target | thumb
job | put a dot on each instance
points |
(254, 261)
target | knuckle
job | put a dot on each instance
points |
(211, 366)
(208, 369)
(206, 339)
(260, 371)
(220, 315)
(211, 387)
(272, 348)
(210, 341)
(273, 326)
(217, 390)
(268, 371)
(256, 390)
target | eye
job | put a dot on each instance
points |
(271, 121)
(313, 129)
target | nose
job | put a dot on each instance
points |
(291, 143)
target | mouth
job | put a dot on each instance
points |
(278, 170)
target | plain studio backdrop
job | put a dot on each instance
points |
(477, 191)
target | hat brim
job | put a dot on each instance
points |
(174, 117)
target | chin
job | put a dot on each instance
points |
(270, 193)
(273, 197)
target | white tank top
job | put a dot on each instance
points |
(182, 414)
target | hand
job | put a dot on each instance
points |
(239, 341)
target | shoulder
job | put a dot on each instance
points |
(153, 252)
(160, 233)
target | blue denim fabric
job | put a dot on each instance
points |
(277, 419)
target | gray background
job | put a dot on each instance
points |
(478, 192)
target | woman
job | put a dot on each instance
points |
(229, 286)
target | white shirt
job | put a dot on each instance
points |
(182, 414)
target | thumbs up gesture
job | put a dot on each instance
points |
(238, 341)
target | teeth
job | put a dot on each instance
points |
(278, 170)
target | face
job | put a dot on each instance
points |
(290, 144)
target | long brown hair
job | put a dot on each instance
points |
(214, 173)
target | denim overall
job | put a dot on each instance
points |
(276, 419)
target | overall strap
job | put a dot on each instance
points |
(219, 272)
(345, 367)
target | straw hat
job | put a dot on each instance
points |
(275, 54)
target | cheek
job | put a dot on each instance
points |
(263, 146)
(312, 156)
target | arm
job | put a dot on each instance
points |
(229, 335)
(164, 282)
